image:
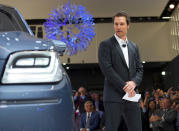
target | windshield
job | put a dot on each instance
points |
(10, 20)
(6, 22)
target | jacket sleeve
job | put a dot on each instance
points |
(139, 69)
(105, 63)
(82, 121)
(169, 118)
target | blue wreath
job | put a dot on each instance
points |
(63, 22)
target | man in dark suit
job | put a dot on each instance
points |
(98, 104)
(120, 63)
(164, 119)
(90, 120)
(81, 99)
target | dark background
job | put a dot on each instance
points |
(90, 76)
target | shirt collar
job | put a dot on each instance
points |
(83, 97)
(88, 113)
(121, 41)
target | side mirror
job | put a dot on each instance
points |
(59, 46)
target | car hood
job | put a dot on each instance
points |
(19, 41)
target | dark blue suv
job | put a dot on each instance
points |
(35, 91)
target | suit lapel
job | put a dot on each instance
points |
(119, 50)
(130, 49)
(85, 118)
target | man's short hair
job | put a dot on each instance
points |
(122, 14)
(90, 102)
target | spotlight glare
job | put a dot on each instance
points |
(163, 73)
(171, 6)
(165, 17)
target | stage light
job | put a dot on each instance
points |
(143, 62)
(171, 6)
(163, 73)
(166, 17)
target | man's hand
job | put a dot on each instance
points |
(132, 94)
(154, 118)
(129, 87)
(82, 129)
(141, 104)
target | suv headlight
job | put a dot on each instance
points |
(33, 67)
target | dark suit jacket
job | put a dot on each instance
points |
(94, 121)
(115, 70)
(100, 105)
(167, 123)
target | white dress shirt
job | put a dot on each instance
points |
(124, 49)
(88, 115)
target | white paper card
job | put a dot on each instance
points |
(135, 98)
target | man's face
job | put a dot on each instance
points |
(96, 96)
(152, 105)
(120, 26)
(161, 104)
(81, 90)
(166, 104)
(89, 107)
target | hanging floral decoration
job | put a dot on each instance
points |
(71, 24)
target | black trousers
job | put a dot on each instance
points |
(120, 112)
